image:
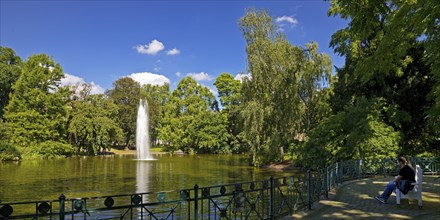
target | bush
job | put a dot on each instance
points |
(52, 149)
(8, 151)
(358, 132)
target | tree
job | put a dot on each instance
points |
(36, 114)
(270, 104)
(93, 126)
(314, 84)
(157, 96)
(229, 90)
(389, 49)
(10, 69)
(359, 132)
(190, 122)
(126, 95)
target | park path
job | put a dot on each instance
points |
(354, 200)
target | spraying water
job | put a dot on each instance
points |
(143, 132)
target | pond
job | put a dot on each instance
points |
(121, 174)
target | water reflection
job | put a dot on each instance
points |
(98, 176)
(143, 169)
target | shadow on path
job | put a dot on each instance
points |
(354, 200)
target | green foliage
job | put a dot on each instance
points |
(93, 126)
(314, 83)
(157, 96)
(3, 131)
(380, 33)
(286, 94)
(384, 101)
(270, 96)
(36, 112)
(389, 49)
(7, 151)
(126, 95)
(229, 90)
(358, 132)
(190, 122)
(10, 69)
(52, 149)
(253, 116)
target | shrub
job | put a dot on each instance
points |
(358, 132)
(8, 151)
(51, 149)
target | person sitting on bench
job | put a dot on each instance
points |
(406, 172)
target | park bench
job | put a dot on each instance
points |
(416, 192)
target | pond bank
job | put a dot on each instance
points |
(133, 152)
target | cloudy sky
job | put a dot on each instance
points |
(152, 42)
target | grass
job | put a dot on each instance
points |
(156, 149)
(153, 150)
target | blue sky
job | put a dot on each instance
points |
(102, 41)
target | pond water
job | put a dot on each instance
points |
(110, 175)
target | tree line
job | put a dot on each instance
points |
(383, 102)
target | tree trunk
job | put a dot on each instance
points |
(281, 154)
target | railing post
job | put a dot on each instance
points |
(196, 202)
(359, 169)
(309, 190)
(271, 199)
(326, 182)
(341, 172)
(62, 199)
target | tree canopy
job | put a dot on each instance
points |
(389, 49)
(229, 90)
(10, 70)
(383, 102)
(357, 132)
(93, 125)
(126, 95)
(281, 90)
(190, 122)
(157, 97)
(35, 117)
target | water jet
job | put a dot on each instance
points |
(143, 132)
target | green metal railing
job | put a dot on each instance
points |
(265, 199)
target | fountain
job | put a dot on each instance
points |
(143, 132)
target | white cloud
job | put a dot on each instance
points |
(178, 74)
(152, 48)
(174, 51)
(200, 76)
(241, 76)
(156, 69)
(289, 19)
(71, 80)
(149, 78)
(96, 89)
(75, 81)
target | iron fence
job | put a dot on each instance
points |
(265, 199)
